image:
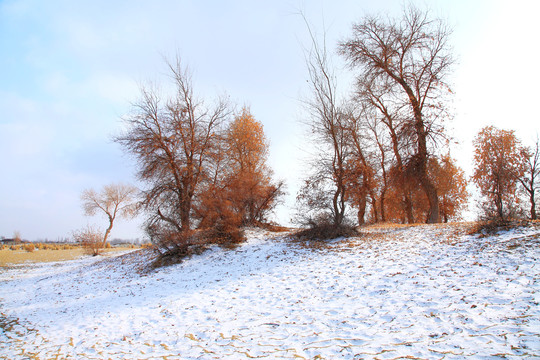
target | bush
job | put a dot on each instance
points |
(90, 239)
(225, 234)
(173, 247)
(29, 247)
(324, 229)
(326, 232)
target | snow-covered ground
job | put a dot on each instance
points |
(423, 292)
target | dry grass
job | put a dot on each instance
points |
(20, 256)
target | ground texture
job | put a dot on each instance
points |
(419, 292)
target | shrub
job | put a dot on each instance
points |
(323, 228)
(225, 234)
(326, 232)
(173, 247)
(29, 247)
(90, 239)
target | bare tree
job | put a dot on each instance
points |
(411, 54)
(529, 180)
(113, 200)
(17, 236)
(173, 142)
(329, 182)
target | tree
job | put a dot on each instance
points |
(380, 154)
(328, 182)
(529, 180)
(452, 185)
(174, 142)
(113, 200)
(242, 191)
(360, 173)
(383, 108)
(498, 166)
(254, 194)
(411, 56)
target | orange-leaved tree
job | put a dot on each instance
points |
(452, 192)
(498, 166)
(252, 192)
(452, 187)
(242, 191)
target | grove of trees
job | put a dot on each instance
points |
(204, 168)
(381, 152)
(381, 146)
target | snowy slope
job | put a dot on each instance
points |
(424, 292)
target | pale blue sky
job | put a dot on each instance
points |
(69, 69)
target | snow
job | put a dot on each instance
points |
(422, 292)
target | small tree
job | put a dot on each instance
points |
(113, 200)
(498, 166)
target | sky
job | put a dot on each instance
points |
(69, 71)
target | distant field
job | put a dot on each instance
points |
(14, 257)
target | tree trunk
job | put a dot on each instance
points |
(339, 204)
(382, 201)
(499, 204)
(108, 231)
(362, 211)
(374, 206)
(407, 204)
(422, 154)
(533, 206)
(422, 157)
